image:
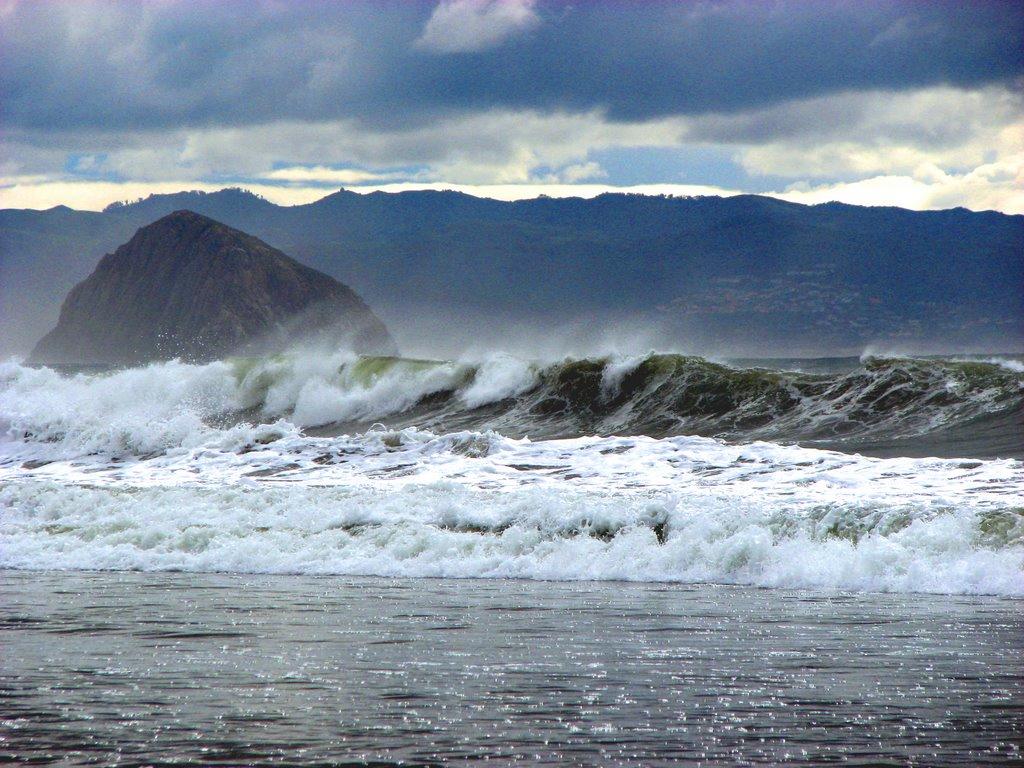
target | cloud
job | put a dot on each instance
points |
(323, 175)
(858, 134)
(461, 26)
(124, 65)
(991, 187)
(574, 174)
(870, 148)
(905, 101)
(484, 147)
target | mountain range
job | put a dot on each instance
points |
(750, 274)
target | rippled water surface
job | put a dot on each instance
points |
(175, 669)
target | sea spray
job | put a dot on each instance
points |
(899, 401)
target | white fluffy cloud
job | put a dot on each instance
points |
(861, 134)
(459, 26)
(927, 149)
(321, 174)
(993, 186)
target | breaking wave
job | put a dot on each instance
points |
(879, 406)
(661, 467)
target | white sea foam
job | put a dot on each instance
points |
(499, 377)
(315, 390)
(443, 529)
(168, 405)
(481, 505)
(136, 411)
(127, 471)
(615, 371)
(1009, 363)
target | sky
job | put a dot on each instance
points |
(915, 104)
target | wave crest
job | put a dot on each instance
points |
(946, 407)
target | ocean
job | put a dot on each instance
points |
(314, 558)
(170, 669)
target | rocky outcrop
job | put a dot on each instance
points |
(189, 287)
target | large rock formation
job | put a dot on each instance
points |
(187, 286)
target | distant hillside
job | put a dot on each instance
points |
(744, 273)
(190, 287)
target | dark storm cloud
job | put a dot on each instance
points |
(109, 66)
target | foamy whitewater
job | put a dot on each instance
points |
(321, 464)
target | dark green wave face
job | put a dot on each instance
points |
(878, 406)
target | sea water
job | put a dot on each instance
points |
(311, 559)
(226, 669)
